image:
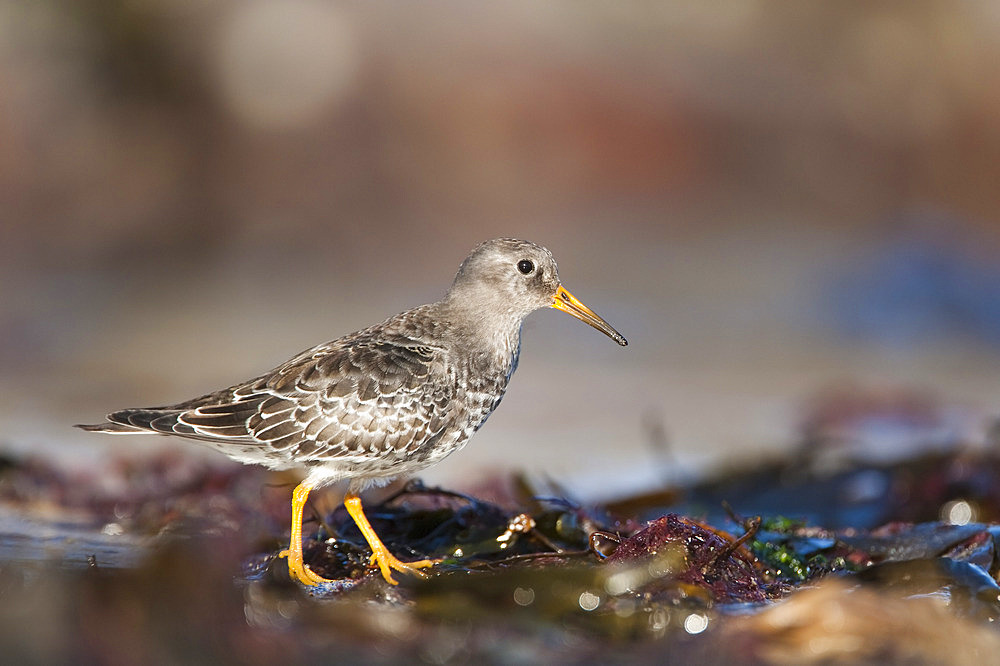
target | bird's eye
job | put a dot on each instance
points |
(525, 266)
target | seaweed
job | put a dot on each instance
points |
(127, 560)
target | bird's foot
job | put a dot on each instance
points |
(388, 562)
(381, 556)
(298, 570)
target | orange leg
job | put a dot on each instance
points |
(380, 554)
(296, 567)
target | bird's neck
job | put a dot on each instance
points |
(488, 332)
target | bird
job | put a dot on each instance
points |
(383, 402)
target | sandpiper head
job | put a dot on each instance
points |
(520, 277)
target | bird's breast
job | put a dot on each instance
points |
(484, 380)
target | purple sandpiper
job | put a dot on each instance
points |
(384, 402)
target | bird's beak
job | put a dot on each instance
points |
(567, 302)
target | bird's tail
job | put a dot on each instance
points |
(128, 421)
(113, 428)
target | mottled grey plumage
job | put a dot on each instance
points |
(390, 399)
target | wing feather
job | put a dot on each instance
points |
(346, 400)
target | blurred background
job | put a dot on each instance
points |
(788, 209)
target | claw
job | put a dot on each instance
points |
(299, 571)
(388, 562)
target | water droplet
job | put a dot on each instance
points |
(589, 601)
(524, 596)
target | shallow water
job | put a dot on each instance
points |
(25, 539)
